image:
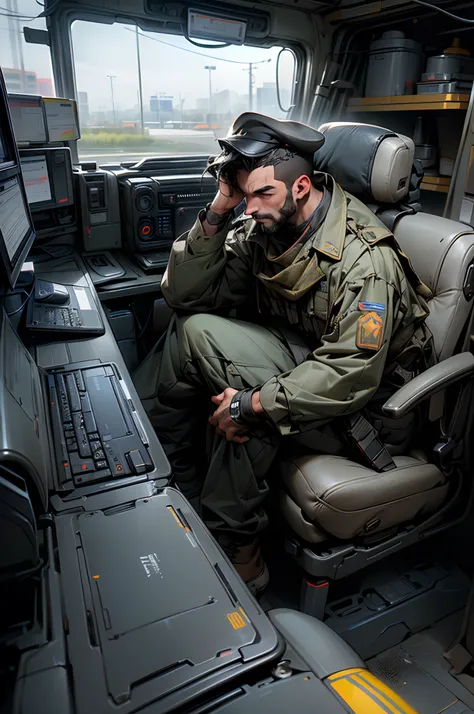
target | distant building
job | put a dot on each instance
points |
(26, 82)
(267, 100)
(45, 87)
(18, 80)
(83, 107)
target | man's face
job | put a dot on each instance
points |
(267, 199)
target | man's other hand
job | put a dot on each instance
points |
(222, 421)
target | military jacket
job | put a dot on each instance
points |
(346, 286)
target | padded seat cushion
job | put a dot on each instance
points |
(345, 499)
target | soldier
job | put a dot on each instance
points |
(329, 309)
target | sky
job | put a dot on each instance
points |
(100, 50)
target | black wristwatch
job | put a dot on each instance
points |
(240, 408)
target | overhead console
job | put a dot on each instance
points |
(157, 209)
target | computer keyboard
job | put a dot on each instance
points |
(62, 316)
(98, 434)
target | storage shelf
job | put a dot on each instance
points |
(409, 103)
(440, 184)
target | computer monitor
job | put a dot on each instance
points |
(61, 119)
(47, 173)
(16, 227)
(28, 118)
(36, 177)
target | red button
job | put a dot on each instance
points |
(146, 230)
(119, 467)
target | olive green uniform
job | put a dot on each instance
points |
(327, 322)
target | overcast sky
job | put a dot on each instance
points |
(101, 50)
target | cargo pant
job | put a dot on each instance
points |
(198, 357)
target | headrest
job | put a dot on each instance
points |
(373, 163)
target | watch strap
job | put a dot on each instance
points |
(247, 414)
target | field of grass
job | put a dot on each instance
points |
(105, 139)
(178, 144)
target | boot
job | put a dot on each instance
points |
(246, 557)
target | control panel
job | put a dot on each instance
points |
(100, 211)
(156, 210)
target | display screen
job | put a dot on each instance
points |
(14, 220)
(27, 118)
(61, 119)
(36, 178)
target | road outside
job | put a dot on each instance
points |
(166, 142)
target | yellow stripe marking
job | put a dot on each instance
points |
(365, 694)
(386, 695)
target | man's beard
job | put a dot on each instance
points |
(285, 213)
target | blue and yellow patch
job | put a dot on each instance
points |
(371, 306)
(370, 326)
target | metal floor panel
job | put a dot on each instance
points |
(418, 672)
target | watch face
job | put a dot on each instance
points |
(234, 410)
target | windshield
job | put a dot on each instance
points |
(189, 96)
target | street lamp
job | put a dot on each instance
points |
(251, 68)
(112, 77)
(210, 68)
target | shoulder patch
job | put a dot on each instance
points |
(371, 306)
(329, 249)
(370, 330)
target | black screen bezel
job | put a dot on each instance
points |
(11, 169)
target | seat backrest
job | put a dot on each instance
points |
(375, 164)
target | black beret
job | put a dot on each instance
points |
(255, 135)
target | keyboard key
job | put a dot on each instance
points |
(101, 464)
(73, 392)
(92, 477)
(89, 423)
(95, 445)
(68, 427)
(86, 404)
(79, 465)
(98, 454)
(94, 436)
(81, 436)
(63, 398)
(79, 381)
(71, 444)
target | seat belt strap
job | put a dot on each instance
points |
(365, 437)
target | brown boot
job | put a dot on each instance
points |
(246, 558)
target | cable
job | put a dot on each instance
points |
(199, 54)
(146, 323)
(9, 314)
(26, 573)
(444, 12)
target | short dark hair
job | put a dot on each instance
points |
(292, 165)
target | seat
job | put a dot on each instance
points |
(331, 500)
